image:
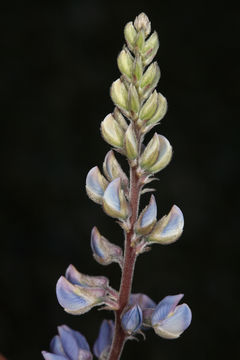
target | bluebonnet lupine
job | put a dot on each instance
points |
(138, 109)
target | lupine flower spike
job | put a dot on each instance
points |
(138, 108)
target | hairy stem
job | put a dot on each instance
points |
(128, 268)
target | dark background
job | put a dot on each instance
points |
(59, 62)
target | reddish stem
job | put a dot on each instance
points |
(128, 268)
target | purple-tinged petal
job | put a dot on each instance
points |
(79, 338)
(77, 278)
(49, 356)
(174, 325)
(104, 251)
(132, 319)
(104, 339)
(147, 218)
(84, 355)
(56, 346)
(69, 342)
(165, 307)
(76, 299)
(114, 201)
(95, 185)
(142, 300)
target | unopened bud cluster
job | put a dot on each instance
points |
(138, 109)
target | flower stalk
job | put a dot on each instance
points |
(138, 108)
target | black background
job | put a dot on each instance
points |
(59, 62)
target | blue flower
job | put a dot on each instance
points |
(68, 345)
(132, 319)
(103, 343)
(169, 320)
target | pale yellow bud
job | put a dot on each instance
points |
(125, 63)
(119, 94)
(149, 107)
(140, 41)
(112, 132)
(150, 48)
(149, 80)
(133, 99)
(137, 68)
(150, 153)
(142, 23)
(131, 144)
(164, 156)
(120, 119)
(130, 35)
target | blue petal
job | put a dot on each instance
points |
(67, 297)
(142, 300)
(92, 181)
(166, 306)
(72, 276)
(69, 342)
(132, 319)
(105, 337)
(111, 195)
(178, 322)
(81, 340)
(150, 214)
(96, 243)
(49, 356)
(56, 346)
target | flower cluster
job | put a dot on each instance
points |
(138, 109)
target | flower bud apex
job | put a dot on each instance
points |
(132, 319)
(112, 169)
(147, 218)
(76, 299)
(140, 41)
(164, 156)
(104, 252)
(149, 80)
(119, 94)
(131, 144)
(130, 35)
(120, 119)
(77, 278)
(95, 185)
(150, 49)
(142, 23)
(114, 201)
(125, 63)
(137, 68)
(111, 131)
(149, 107)
(150, 153)
(168, 229)
(133, 100)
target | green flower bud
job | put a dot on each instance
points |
(120, 119)
(130, 35)
(131, 144)
(112, 132)
(160, 112)
(142, 23)
(164, 156)
(133, 99)
(125, 63)
(149, 107)
(140, 41)
(149, 80)
(119, 94)
(150, 153)
(150, 48)
(137, 68)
